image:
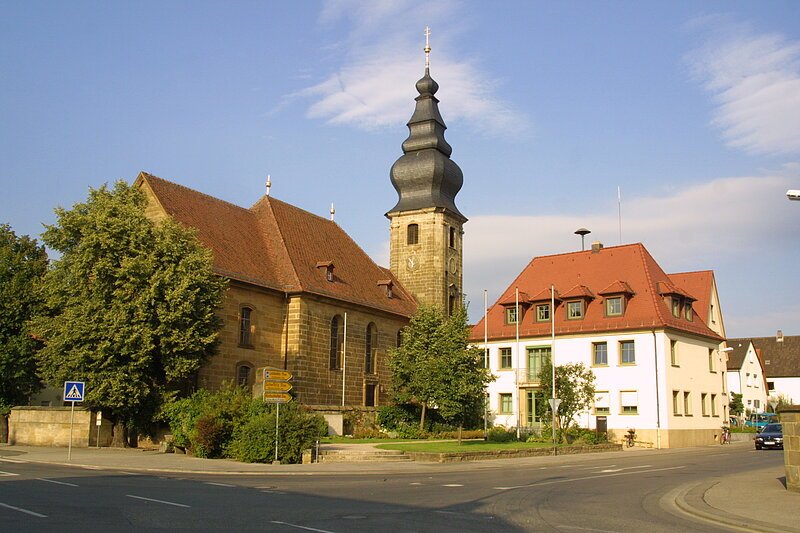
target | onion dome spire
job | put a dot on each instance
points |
(425, 176)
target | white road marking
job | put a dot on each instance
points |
(301, 527)
(453, 485)
(586, 529)
(554, 481)
(57, 482)
(156, 501)
(273, 492)
(7, 473)
(606, 471)
(415, 483)
(7, 460)
(22, 510)
(219, 484)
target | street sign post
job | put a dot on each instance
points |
(73, 393)
(274, 390)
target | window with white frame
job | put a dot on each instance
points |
(602, 405)
(629, 402)
(673, 353)
(614, 306)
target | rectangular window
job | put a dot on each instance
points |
(452, 237)
(627, 353)
(543, 313)
(245, 326)
(505, 358)
(688, 313)
(600, 353)
(412, 234)
(676, 307)
(506, 403)
(575, 310)
(614, 306)
(703, 401)
(538, 358)
(369, 395)
(629, 402)
(511, 315)
(755, 381)
(673, 353)
(757, 404)
(713, 405)
(712, 363)
(676, 403)
(601, 403)
(687, 404)
(770, 385)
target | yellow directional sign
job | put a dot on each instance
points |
(276, 397)
(276, 375)
(277, 386)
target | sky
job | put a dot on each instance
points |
(674, 124)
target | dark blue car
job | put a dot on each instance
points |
(770, 437)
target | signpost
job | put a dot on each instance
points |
(73, 393)
(99, 423)
(275, 388)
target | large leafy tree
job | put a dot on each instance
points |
(574, 387)
(436, 366)
(22, 264)
(129, 306)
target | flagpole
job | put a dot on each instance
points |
(516, 370)
(486, 359)
(344, 357)
(553, 357)
(619, 212)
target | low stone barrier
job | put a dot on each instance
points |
(455, 457)
(790, 420)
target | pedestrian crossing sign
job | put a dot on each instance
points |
(73, 391)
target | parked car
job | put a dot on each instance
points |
(770, 437)
(759, 420)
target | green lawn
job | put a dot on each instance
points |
(465, 446)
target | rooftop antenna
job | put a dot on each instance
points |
(333, 212)
(427, 48)
(268, 184)
(583, 232)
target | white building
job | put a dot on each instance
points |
(652, 340)
(746, 375)
(780, 358)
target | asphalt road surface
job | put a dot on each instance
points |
(587, 493)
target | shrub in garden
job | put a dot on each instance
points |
(500, 434)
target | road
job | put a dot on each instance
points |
(618, 491)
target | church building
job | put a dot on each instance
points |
(304, 297)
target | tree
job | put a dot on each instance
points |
(129, 307)
(736, 404)
(574, 387)
(22, 264)
(435, 366)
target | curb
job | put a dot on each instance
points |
(690, 500)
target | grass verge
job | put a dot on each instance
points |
(465, 446)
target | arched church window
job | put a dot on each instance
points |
(371, 348)
(337, 342)
(245, 327)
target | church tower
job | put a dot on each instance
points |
(426, 230)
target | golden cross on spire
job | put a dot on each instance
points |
(427, 47)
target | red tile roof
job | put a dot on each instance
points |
(279, 246)
(699, 284)
(584, 274)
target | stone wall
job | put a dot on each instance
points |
(50, 426)
(790, 420)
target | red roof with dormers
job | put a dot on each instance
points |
(579, 275)
(279, 246)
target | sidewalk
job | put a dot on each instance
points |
(753, 501)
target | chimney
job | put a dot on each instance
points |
(596, 246)
(779, 336)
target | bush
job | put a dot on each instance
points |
(231, 423)
(391, 417)
(500, 434)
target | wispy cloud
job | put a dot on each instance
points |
(382, 58)
(712, 225)
(755, 81)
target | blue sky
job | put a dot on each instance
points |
(691, 108)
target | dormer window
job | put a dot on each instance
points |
(614, 306)
(511, 315)
(575, 310)
(328, 266)
(543, 312)
(688, 313)
(676, 307)
(387, 284)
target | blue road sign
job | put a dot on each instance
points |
(73, 391)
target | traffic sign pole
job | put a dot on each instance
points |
(73, 392)
(71, 419)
